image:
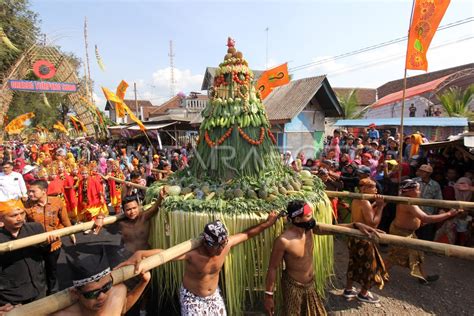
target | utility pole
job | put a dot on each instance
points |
(266, 55)
(88, 75)
(136, 101)
(172, 81)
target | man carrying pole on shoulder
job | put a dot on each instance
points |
(407, 220)
(199, 293)
(295, 247)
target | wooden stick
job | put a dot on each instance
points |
(144, 188)
(43, 237)
(417, 244)
(360, 196)
(63, 299)
(404, 200)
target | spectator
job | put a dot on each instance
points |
(23, 275)
(12, 185)
(373, 133)
(429, 189)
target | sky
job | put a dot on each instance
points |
(133, 39)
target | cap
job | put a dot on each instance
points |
(426, 168)
(10, 205)
(392, 162)
(28, 168)
(372, 125)
(88, 267)
(374, 142)
(175, 154)
(363, 170)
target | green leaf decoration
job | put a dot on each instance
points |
(418, 45)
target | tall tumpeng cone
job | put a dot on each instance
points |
(235, 138)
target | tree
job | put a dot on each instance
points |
(20, 25)
(350, 105)
(456, 102)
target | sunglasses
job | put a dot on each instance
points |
(95, 293)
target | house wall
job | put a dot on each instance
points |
(394, 109)
(302, 133)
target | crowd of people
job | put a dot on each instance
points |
(45, 187)
(443, 174)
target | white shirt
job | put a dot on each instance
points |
(12, 186)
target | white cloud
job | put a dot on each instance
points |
(99, 101)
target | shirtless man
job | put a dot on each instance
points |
(135, 228)
(366, 266)
(407, 220)
(94, 291)
(199, 292)
(295, 246)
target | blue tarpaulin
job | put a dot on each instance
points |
(407, 121)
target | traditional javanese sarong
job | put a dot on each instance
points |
(300, 299)
(193, 305)
(366, 266)
(408, 258)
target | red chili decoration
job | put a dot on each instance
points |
(272, 137)
(221, 140)
(249, 139)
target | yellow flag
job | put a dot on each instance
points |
(110, 96)
(60, 127)
(18, 124)
(119, 104)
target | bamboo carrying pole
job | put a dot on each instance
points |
(423, 245)
(41, 238)
(405, 200)
(63, 299)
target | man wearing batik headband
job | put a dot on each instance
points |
(295, 246)
(199, 293)
(407, 220)
(94, 290)
(22, 277)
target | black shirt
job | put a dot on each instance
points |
(22, 272)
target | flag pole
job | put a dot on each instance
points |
(402, 109)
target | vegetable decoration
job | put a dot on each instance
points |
(238, 183)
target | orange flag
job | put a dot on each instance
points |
(121, 89)
(426, 17)
(272, 78)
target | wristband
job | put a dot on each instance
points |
(269, 293)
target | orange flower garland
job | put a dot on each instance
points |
(272, 137)
(211, 143)
(250, 140)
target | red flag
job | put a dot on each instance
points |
(426, 17)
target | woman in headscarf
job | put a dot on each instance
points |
(19, 165)
(447, 233)
(288, 159)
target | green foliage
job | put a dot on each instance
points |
(456, 102)
(20, 24)
(350, 105)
